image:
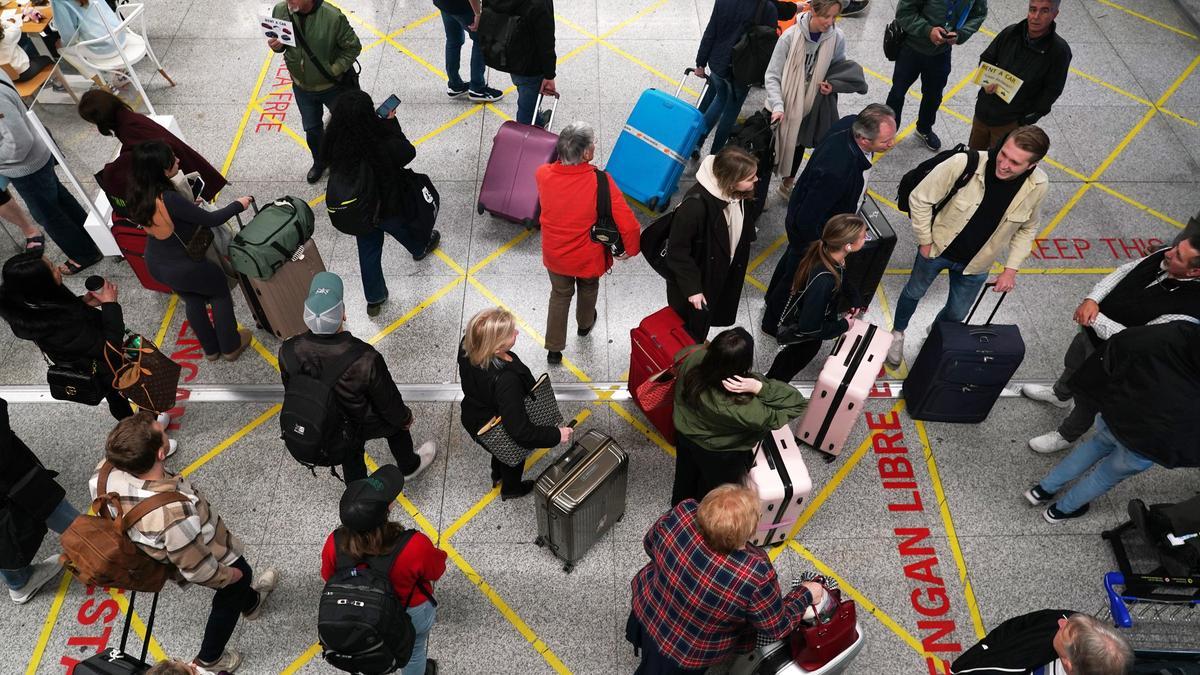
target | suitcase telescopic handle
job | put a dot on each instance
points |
(692, 71)
(980, 299)
(253, 207)
(553, 108)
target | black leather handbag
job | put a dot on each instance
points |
(75, 382)
(893, 39)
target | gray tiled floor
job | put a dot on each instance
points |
(506, 607)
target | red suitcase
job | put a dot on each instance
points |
(509, 189)
(131, 239)
(655, 342)
(845, 381)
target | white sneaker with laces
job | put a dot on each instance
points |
(172, 446)
(427, 452)
(229, 662)
(896, 351)
(41, 574)
(1049, 443)
(164, 419)
(1044, 393)
(264, 582)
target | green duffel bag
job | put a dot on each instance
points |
(271, 237)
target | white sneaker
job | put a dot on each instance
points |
(164, 419)
(1044, 393)
(426, 452)
(1048, 443)
(42, 573)
(172, 446)
(896, 351)
(264, 582)
(229, 662)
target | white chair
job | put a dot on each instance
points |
(88, 59)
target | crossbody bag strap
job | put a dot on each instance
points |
(307, 50)
(603, 196)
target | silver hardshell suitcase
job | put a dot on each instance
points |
(581, 495)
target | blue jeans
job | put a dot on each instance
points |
(370, 254)
(312, 115)
(963, 289)
(456, 36)
(53, 207)
(933, 70)
(723, 109)
(1112, 462)
(423, 616)
(528, 87)
(59, 520)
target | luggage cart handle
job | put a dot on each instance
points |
(692, 71)
(1116, 605)
(980, 300)
(537, 107)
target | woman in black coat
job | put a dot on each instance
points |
(68, 329)
(495, 383)
(708, 247)
(30, 500)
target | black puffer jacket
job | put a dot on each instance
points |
(500, 390)
(1042, 65)
(23, 516)
(365, 390)
(71, 333)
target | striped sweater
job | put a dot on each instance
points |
(190, 536)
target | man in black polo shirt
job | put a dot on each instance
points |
(1160, 288)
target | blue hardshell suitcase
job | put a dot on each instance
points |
(654, 146)
(962, 369)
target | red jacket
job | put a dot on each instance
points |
(568, 199)
(419, 559)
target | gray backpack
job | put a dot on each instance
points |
(271, 237)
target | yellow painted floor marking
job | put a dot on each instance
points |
(408, 316)
(646, 431)
(1147, 19)
(900, 372)
(491, 257)
(39, 649)
(237, 137)
(756, 283)
(166, 321)
(237, 436)
(762, 257)
(139, 627)
(308, 655)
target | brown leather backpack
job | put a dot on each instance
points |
(99, 553)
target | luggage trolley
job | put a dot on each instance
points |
(776, 659)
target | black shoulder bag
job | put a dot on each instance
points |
(348, 80)
(75, 382)
(604, 230)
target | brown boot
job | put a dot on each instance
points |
(244, 334)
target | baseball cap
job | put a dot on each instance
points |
(324, 309)
(365, 502)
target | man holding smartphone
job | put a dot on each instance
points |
(932, 28)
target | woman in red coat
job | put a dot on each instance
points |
(568, 190)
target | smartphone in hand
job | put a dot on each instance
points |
(388, 106)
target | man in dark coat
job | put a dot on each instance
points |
(1145, 382)
(30, 501)
(1033, 51)
(834, 181)
(532, 58)
(1048, 641)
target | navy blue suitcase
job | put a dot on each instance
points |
(962, 369)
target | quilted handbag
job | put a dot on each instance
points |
(816, 645)
(658, 391)
(143, 374)
(542, 408)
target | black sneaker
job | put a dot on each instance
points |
(525, 488)
(315, 173)
(1054, 516)
(542, 119)
(488, 95)
(435, 240)
(931, 139)
(375, 308)
(583, 332)
(554, 357)
(430, 667)
(1037, 496)
(854, 7)
(455, 93)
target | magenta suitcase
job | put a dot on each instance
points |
(509, 188)
(782, 481)
(843, 385)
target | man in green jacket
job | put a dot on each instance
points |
(931, 29)
(318, 71)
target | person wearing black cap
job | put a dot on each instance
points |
(366, 531)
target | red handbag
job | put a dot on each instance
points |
(658, 391)
(814, 646)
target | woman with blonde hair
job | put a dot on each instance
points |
(811, 315)
(495, 383)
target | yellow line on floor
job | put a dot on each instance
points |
(641, 14)
(351, 15)
(491, 107)
(308, 655)
(266, 354)
(474, 110)
(138, 626)
(408, 316)
(901, 371)
(756, 283)
(166, 321)
(504, 248)
(237, 436)
(646, 431)
(241, 130)
(948, 522)
(1138, 205)
(866, 604)
(39, 649)
(525, 326)
(886, 202)
(291, 133)
(1147, 19)
(407, 27)
(762, 257)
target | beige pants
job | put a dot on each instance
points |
(562, 289)
(984, 137)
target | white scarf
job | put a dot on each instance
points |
(733, 208)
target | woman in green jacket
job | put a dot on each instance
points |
(722, 410)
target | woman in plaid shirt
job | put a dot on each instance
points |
(707, 591)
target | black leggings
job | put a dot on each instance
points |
(219, 334)
(791, 360)
(509, 476)
(698, 471)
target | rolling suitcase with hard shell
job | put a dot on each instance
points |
(654, 344)
(581, 495)
(843, 385)
(781, 479)
(277, 302)
(115, 661)
(654, 146)
(962, 369)
(131, 239)
(866, 266)
(509, 188)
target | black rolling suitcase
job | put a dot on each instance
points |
(865, 267)
(962, 369)
(115, 661)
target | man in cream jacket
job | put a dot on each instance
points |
(998, 208)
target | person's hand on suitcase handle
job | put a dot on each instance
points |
(548, 88)
(1006, 281)
(742, 385)
(245, 202)
(564, 433)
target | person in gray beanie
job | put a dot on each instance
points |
(366, 394)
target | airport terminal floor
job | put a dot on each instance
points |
(923, 524)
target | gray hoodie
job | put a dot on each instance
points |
(22, 151)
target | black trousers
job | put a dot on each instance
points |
(509, 476)
(698, 471)
(228, 604)
(791, 360)
(399, 442)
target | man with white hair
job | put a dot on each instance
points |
(1048, 642)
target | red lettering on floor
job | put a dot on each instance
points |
(275, 107)
(1074, 248)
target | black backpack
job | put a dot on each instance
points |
(752, 52)
(505, 40)
(913, 178)
(657, 236)
(352, 199)
(313, 427)
(361, 624)
(893, 40)
(604, 230)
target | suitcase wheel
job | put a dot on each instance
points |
(528, 223)
(479, 208)
(569, 567)
(540, 542)
(652, 204)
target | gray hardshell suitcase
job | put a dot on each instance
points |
(581, 495)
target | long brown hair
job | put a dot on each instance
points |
(840, 231)
(379, 541)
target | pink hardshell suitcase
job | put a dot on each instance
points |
(782, 481)
(509, 188)
(845, 381)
